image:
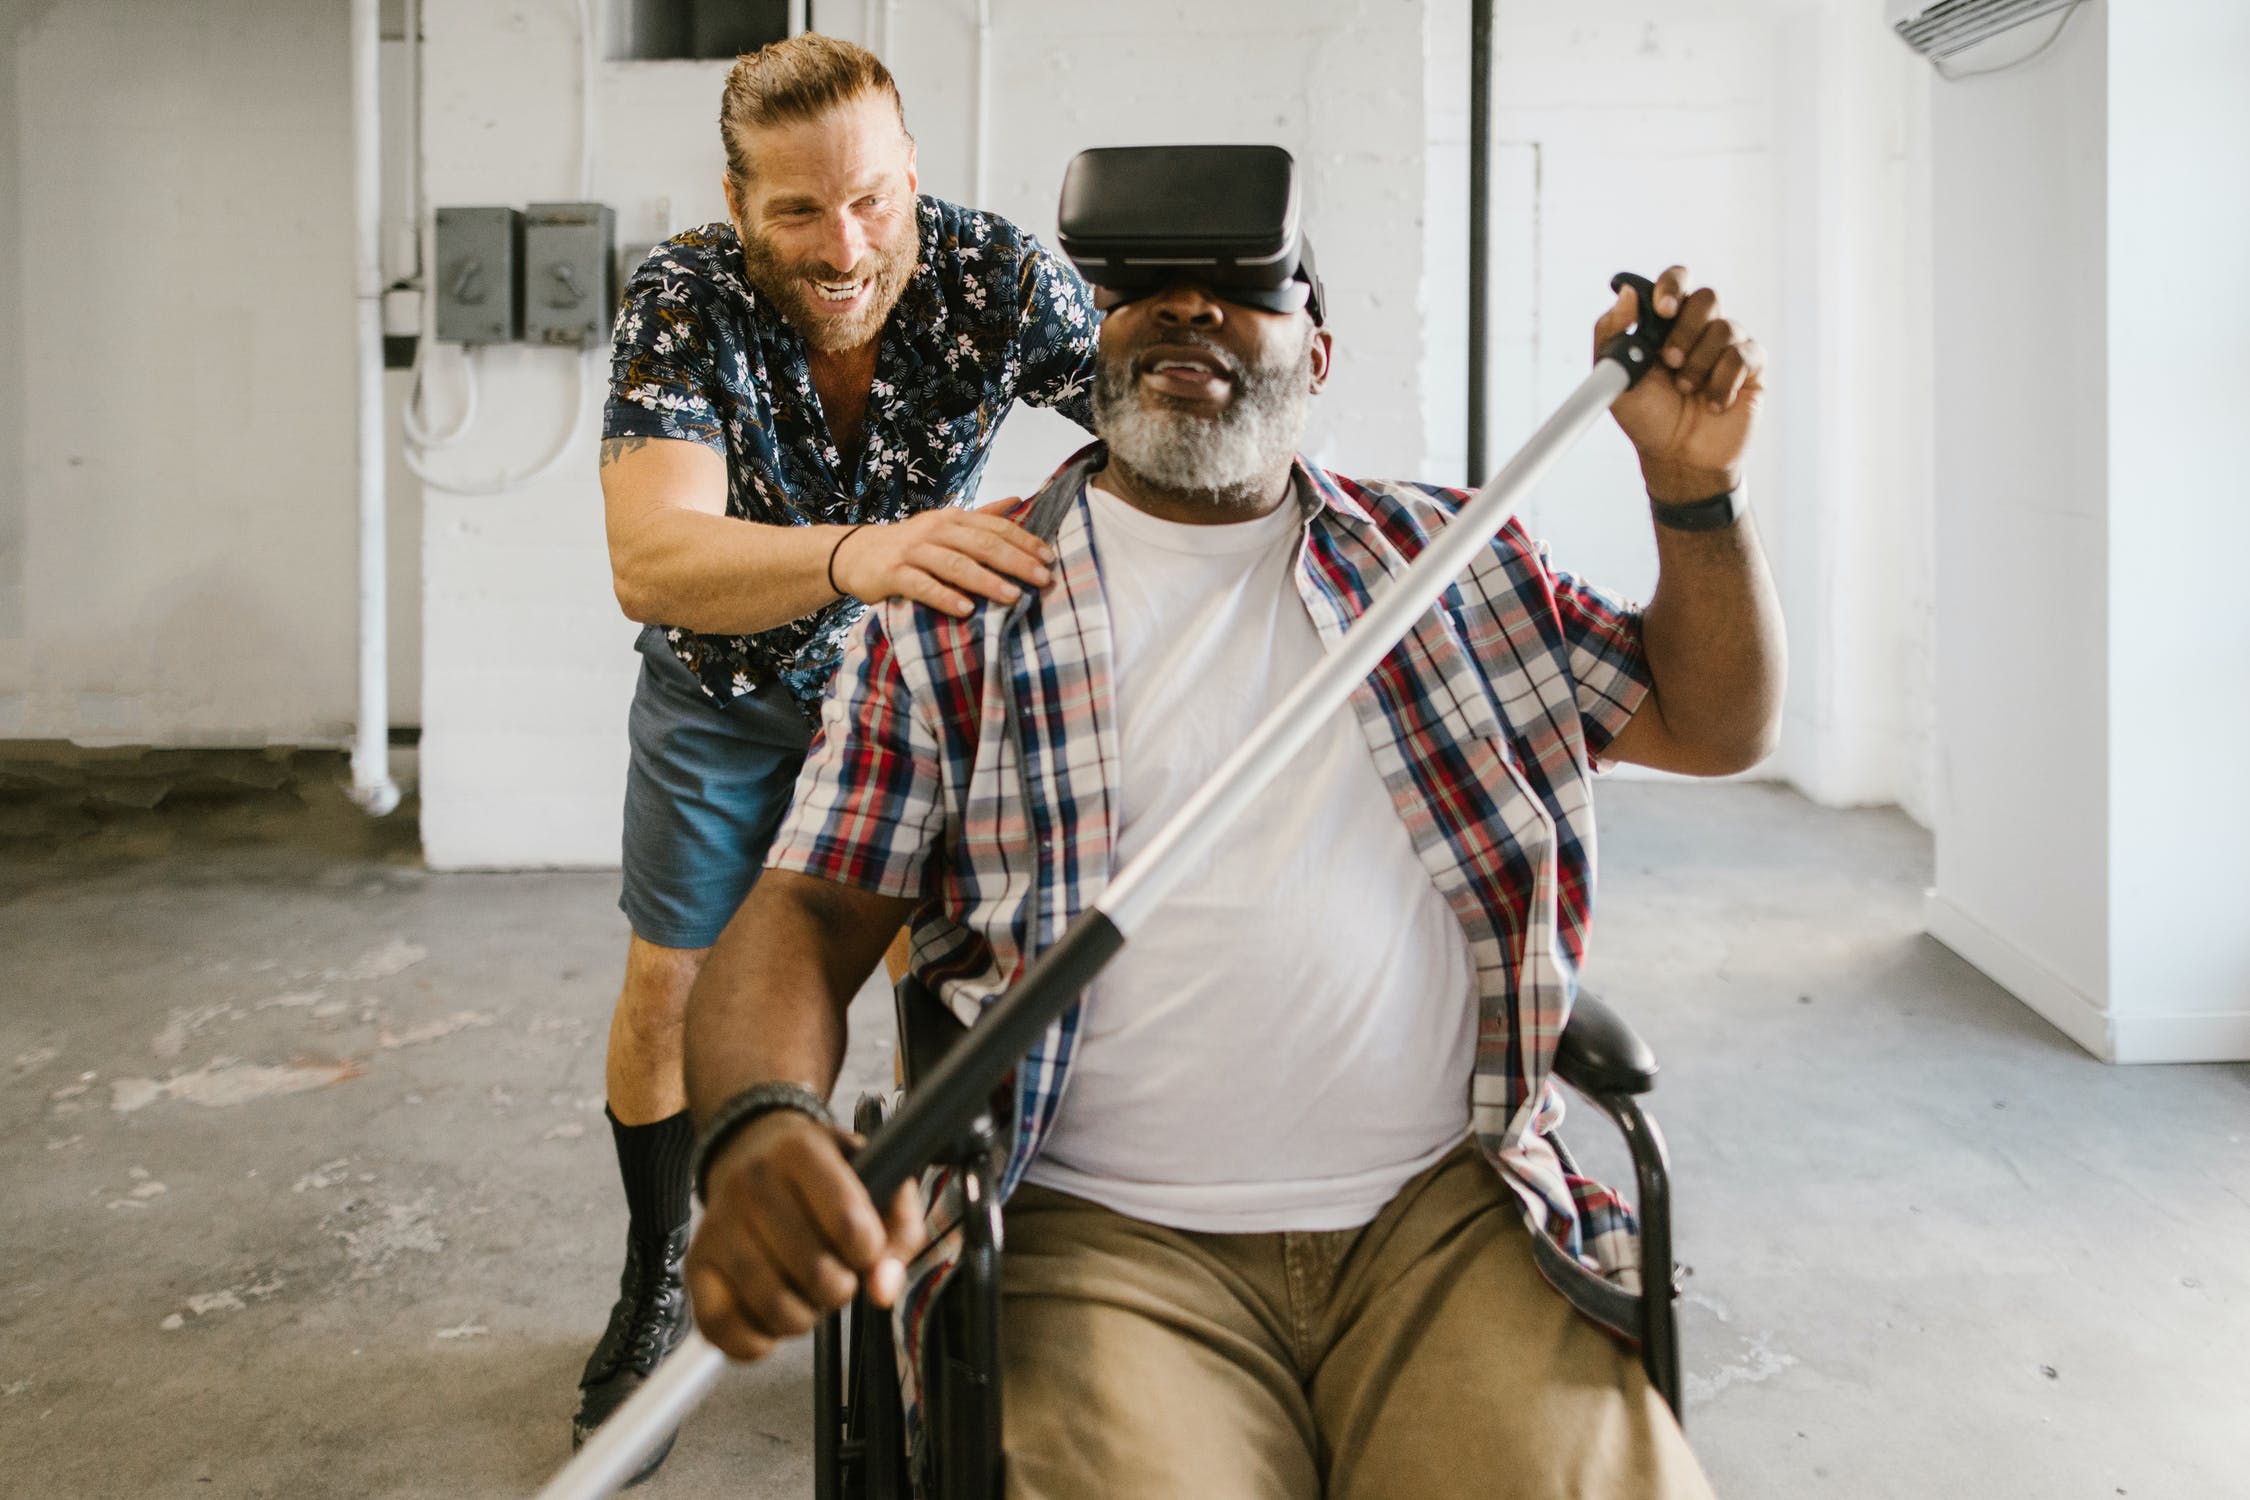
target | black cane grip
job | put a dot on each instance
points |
(1637, 351)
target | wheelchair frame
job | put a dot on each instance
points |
(859, 1421)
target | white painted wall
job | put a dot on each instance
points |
(2021, 396)
(1852, 415)
(176, 540)
(2091, 823)
(1631, 135)
(1775, 148)
(2179, 638)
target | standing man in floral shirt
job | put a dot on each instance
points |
(799, 399)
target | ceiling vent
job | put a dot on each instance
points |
(1939, 28)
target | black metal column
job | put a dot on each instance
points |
(1480, 235)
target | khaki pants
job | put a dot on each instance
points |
(1418, 1358)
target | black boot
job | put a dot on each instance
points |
(648, 1322)
(650, 1317)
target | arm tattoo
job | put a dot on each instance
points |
(616, 448)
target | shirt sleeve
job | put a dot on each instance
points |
(1608, 664)
(662, 367)
(867, 809)
(1056, 333)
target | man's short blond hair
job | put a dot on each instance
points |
(798, 79)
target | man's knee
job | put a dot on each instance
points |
(657, 982)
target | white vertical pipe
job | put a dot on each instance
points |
(372, 787)
(799, 16)
(589, 82)
(977, 177)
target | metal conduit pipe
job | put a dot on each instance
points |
(1480, 238)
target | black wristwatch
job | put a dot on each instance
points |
(1714, 514)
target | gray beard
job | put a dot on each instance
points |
(1227, 460)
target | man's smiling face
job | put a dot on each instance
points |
(1204, 396)
(827, 219)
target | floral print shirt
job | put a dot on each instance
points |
(989, 315)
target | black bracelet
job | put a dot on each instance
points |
(1714, 514)
(847, 536)
(744, 1109)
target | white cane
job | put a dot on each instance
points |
(957, 1089)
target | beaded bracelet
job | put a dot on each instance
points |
(744, 1109)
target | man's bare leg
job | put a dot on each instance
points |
(644, 1074)
(649, 1122)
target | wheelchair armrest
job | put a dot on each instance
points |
(1601, 1054)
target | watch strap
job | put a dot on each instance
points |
(1715, 513)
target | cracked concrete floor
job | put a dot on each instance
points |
(309, 1192)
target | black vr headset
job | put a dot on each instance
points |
(1136, 217)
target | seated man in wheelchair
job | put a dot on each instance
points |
(1285, 1212)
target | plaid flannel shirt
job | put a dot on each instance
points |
(1486, 723)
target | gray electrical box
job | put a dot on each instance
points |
(570, 273)
(479, 284)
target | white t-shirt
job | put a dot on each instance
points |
(1290, 1036)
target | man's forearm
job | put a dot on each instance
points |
(770, 1002)
(720, 575)
(1714, 639)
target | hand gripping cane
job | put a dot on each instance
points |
(943, 1104)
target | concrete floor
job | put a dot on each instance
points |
(309, 1191)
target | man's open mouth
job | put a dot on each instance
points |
(839, 294)
(1187, 373)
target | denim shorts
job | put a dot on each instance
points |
(704, 793)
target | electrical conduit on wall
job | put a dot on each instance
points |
(422, 439)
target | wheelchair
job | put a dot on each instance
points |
(859, 1424)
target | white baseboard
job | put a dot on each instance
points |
(2205, 1037)
(2216, 1037)
(2062, 1004)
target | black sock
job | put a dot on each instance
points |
(653, 1160)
